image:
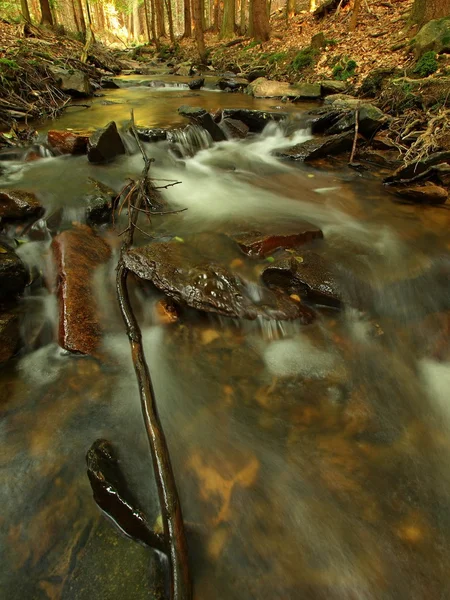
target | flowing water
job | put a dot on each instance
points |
(312, 461)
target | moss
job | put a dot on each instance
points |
(274, 58)
(344, 69)
(252, 44)
(305, 58)
(427, 64)
(6, 63)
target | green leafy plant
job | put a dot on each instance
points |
(344, 69)
(305, 58)
(427, 64)
(275, 57)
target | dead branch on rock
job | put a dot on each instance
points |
(355, 139)
(174, 534)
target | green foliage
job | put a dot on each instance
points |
(305, 58)
(252, 44)
(331, 42)
(427, 64)
(344, 69)
(274, 57)
(6, 63)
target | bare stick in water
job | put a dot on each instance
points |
(180, 584)
(355, 139)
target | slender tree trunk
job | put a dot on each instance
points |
(215, 24)
(82, 19)
(161, 28)
(47, 18)
(198, 28)
(25, 10)
(229, 15)
(187, 19)
(243, 19)
(147, 21)
(427, 10)
(260, 20)
(355, 13)
(89, 22)
(153, 23)
(290, 9)
(75, 16)
(312, 5)
(170, 19)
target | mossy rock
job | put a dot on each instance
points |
(434, 36)
(374, 83)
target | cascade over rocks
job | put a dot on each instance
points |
(105, 144)
(19, 204)
(233, 128)
(255, 120)
(13, 274)
(152, 134)
(255, 243)
(318, 147)
(203, 118)
(78, 252)
(68, 142)
(186, 275)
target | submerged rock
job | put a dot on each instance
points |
(68, 142)
(9, 335)
(113, 495)
(318, 147)
(184, 273)
(19, 204)
(78, 252)
(255, 120)
(426, 193)
(255, 243)
(105, 144)
(308, 274)
(13, 274)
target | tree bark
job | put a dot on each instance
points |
(355, 13)
(427, 10)
(229, 15)
(25, 10)
(290, 9)
(187, 19)
(153, 23)
(170, 19)
(198, 28)
(215, 23)
(312, 5)
(82, 19)
(160, 26)
(47, 18)
(147, 21)
(243, 19)
(260, 20)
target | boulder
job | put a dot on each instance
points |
(99, 203)
(19, 204)
(107, 83)
(321, 119)
(426, 193)
(330, 86)
(342, 101)
(184, 69)
(74, 83)
(255, 120)
(434, 35)
(78, 252)
(307, 91)
(105, 144)
(370, 119)
(196, 84)
(233, 128)
(318, 147)
(9, 335)
(152, 134)
(68, 142)
(255, 243)
(232, 84)
(190, 278)
(305, 274)
(13, 274)
(376, 80)
(255, 75)
(318, 41)
(203, 118)
(265, 88)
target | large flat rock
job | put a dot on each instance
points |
(255, 243)
(19, 204)
(318, 147)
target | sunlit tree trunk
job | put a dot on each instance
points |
(356, 8)
(290, 9)
(90, 34)
(153, 23)
(46, 18)
(160, 26)
(243, 19)
(170, 20)
(427, 10)
(187, 19)
(215, 20)
(259, 19)
(82, 19)
(25, 10)
(147, 21)
(312, 5)
(198, 28)
(75, 16)
(229, 15)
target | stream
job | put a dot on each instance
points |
(312, 460)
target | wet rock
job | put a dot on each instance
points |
(426, 193)
(99, 203)
(308, 274)
(255, 243)
(318, 147)
(74, 83)
(109, 84)
(13, 274)
(152, 134)
(419, 169)
(265, 88)
(343, 101)
(113, 495)
(234, 84)
(234, 128)
(255, 120)
(307, 91)
(256, 75)
(435, 35)
(184, 274)
(68, 142)
(19, 204)
(9, 335)
(370, 119)
(201, 117)
(330, 86)
(105, 144)
(321, 119)
(78, 252)
(196, 84)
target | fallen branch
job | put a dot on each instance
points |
(355, 139)
(174, 534)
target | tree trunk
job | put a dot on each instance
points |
(75, 17)
(215, 23)
(260, 20)
(187, 19)
(153, 23)
(160, 26)
(312, 5)
(427, 10)
(170, 19)
(290, 9)
(25, 10)
(82, 19)
(355, 13)
(243, 19)
(147, 21)
(47, 18)
(198, 28)
(229, 15)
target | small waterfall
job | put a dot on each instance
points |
(188, 141)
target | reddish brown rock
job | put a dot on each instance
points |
(255, 243)
(77, 253)
(425, 193)
(19, 204)
(68, 142)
